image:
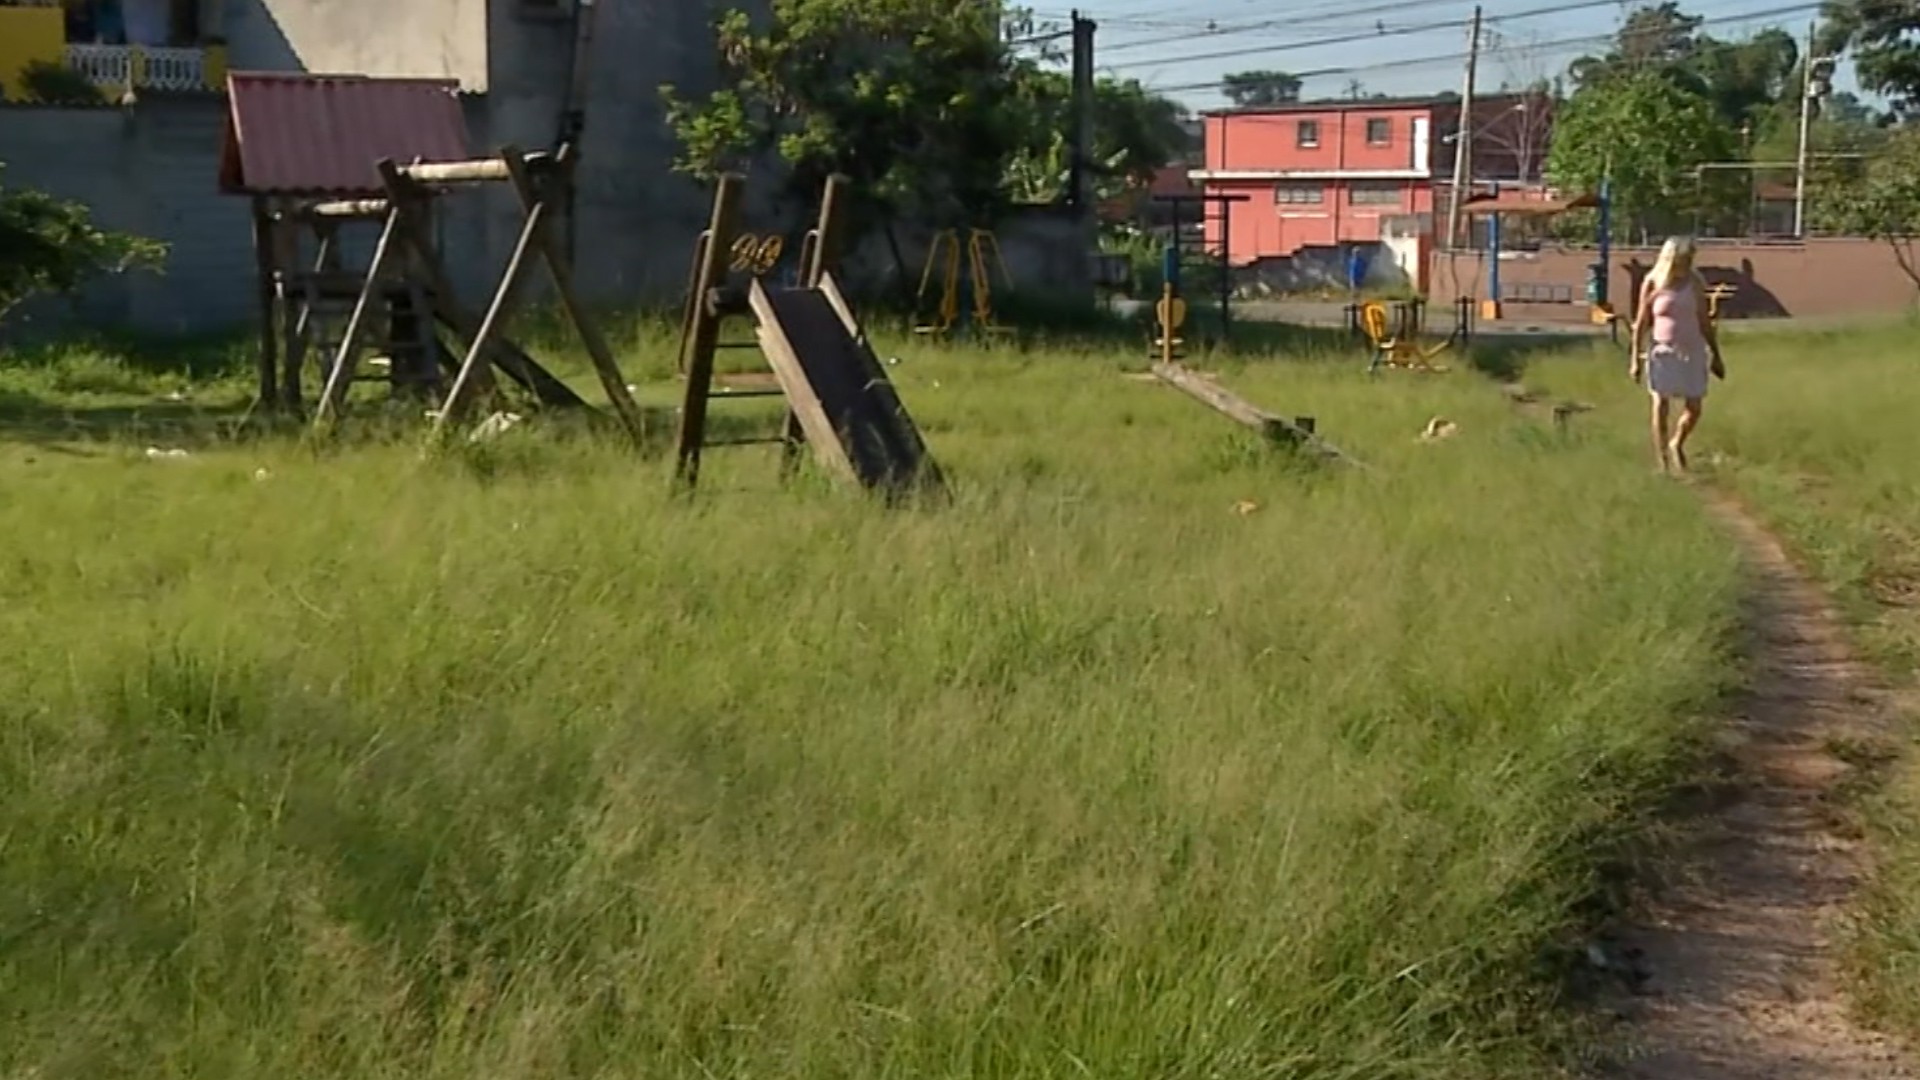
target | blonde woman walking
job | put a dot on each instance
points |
(1682, 351)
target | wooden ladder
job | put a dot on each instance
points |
(710, 299)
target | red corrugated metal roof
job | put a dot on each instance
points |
(320, 135)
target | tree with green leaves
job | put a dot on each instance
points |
(923, 103)
(1135, 134)
(52, 246)
(1648, 135)
(1653, 38)
(917, 101)
(1747, 80)
(1884, 37)
(1884, 203)
(1258, 89)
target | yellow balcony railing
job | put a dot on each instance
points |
(117, 68)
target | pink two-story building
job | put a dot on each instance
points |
(1330, 172)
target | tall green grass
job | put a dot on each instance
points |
(354, 765)
(1817, 431)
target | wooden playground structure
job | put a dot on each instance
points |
(320, 156)
(404, 256)
(839, 400)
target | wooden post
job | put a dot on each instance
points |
(534, 199)
(264, 269)
(495, 317)
(347, 358)
(691, 309)
(326, 257)
(446, 305)
(286, 245)
(825, 250)
(697, 348)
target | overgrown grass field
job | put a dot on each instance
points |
(1156, 754)
(1817, 431)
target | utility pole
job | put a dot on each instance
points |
(1800, 160)
(1080, 167)
(1463, 136)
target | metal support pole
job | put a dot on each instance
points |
(1806, 123)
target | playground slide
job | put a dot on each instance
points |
(839, 390)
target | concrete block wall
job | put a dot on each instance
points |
(150, 170)
(638, 217)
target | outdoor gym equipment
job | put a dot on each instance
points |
(1170, 313)
(1400, 347)
(982, 257)
(1715, 294)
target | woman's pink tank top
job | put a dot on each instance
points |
(1676, 318)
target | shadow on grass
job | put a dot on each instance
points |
(46, 422)
(198, 357)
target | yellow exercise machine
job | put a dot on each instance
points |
(983, 256)
(1397, 349)
(1715, 294)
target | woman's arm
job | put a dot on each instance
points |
(1642, 311)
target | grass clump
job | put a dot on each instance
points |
(1150, 756)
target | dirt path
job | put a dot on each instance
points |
(1737, 949)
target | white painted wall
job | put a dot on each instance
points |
(422, 38)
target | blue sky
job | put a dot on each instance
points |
(1404, 46)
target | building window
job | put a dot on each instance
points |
(1297, 195)
(1379, 131)
(1309, 133)
(1375, 194)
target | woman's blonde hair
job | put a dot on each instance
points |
(1674, 264)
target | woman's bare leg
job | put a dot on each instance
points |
(1682, 428)
(1659, 422)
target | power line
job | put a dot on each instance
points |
(1347, 39)
(1457, 56)
(1211, 27)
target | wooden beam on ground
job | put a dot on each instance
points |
(1238, 409)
